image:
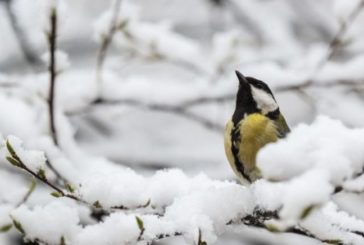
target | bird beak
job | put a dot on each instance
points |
(242, 80)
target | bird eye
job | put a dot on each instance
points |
(259, 85)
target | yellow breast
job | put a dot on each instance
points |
(255, 131)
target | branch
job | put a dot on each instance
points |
(106, 41)
(258, 218)
(58, 175)
(28, 193)
(52, 42)
(16, 161)
(255, 220)
(30, 56)
(332, 48)
(181, 110)
(200, 241)
(159, 237)
(344, 82)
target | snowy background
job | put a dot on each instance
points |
(142, 92)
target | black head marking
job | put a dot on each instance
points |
(274, 114)
(245, 103)
(259, 85)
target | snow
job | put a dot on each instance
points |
(302, 193)
(48, 223)
(19, 184)
(163, 165)
(128, 11)
(35, 17)
(33, 159)
(326, 144)
(12, 108)
(210, 210)
(114, 188)
(4, 215)
(116, 229)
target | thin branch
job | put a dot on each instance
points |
(18, 162)
(105, 44)
(59, 176)
(52, 41)
(15, 160)
(340, 82)
(28, 193)
(180, 110)
(257, 219)
(161, 236)
(199, 240)
(209, 100)
(30, 56)
(332, 48)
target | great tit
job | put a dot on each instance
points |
(256, 122)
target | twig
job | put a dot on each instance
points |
(59, 176)
(105, 44)
(52, 41)
(209, 100)
(162, 236)
(332, 48)
(30, 56)
(15, 160)
(28, 193)
(199, 240)
(181, 110)
(259, 217)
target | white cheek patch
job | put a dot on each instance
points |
(264, 100)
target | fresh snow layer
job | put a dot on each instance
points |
(48, 223)
(326, 144)
(34, 160)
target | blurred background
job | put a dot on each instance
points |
(149, 84)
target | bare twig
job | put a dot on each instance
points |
(30, 56)
(52, 42)
(199, 240)
(59, 176)
(28, 193)
(181, 110)
(105, 43)
(332, 48)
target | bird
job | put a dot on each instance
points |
(256, 121)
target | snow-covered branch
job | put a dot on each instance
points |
(200, 208)
(160, 76)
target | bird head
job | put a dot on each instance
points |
(254, 96)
